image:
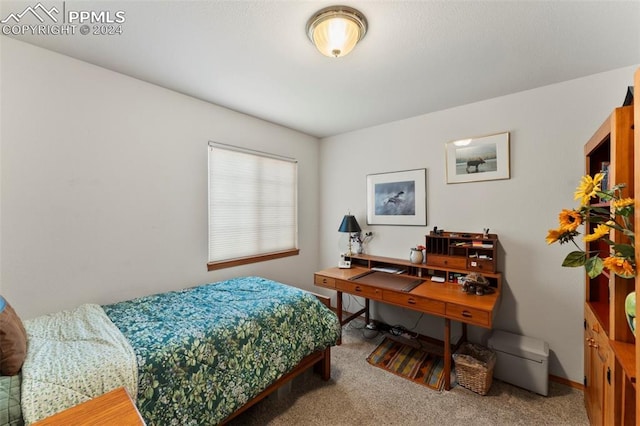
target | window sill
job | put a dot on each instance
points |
(212, 266)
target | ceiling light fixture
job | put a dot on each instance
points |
(336, 30)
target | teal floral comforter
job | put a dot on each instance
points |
(203, 352)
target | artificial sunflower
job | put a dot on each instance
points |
(588, 188)
(553, 235)
(561, 235)
(569, 220)
(622, 203)
(602, 219)
(619, 266)
(601, 230)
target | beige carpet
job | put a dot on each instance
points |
(361, 394)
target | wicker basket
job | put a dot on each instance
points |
(474, 367)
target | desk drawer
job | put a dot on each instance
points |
(323, 281)
(359, 289)
(468, 315)
(414, 302)
(482, 265)
(448, 261)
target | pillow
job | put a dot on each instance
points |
(13, 340)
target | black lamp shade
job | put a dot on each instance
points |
(349, 224)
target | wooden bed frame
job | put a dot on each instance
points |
(320, 360)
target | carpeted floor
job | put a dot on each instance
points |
(361, 394)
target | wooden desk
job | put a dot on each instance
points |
(114, 408)
(445, 300)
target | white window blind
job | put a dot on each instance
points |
(253, 203)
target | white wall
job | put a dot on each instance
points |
(104, 184)
(549, 127)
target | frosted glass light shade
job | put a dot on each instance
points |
(336, 30)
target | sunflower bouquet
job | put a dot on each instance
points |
(619, 216)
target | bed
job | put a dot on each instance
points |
(190, 357)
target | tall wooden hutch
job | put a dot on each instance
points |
(636, 156)
(610, 366)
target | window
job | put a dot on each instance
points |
(253, 206)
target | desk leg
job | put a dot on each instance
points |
(366, 311)
(339, 308)
(447, 354)
(344, 321)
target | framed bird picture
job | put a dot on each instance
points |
(397, 198)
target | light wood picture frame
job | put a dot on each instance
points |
(478, 159)
(397, 198)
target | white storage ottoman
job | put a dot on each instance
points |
(522, 361)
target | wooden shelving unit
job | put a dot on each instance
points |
(636, 167)
(610, 348)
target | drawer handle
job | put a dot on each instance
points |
(411, 301)
(358, 288)
(467, 314)
(324, 281)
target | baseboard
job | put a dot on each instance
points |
(566, 382)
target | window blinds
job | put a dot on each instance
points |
(253, 203)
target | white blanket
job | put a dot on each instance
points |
(72, 357)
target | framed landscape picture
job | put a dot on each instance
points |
(397, 198)
(477, 159)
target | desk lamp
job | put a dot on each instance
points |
(349, 224)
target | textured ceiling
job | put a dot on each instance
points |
(417, 57)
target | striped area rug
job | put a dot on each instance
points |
(406, 361)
